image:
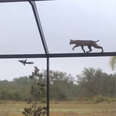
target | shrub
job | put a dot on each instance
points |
(99, 99)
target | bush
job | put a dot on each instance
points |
(99, 99)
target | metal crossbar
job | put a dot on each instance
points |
(3, 1)
(57, 55)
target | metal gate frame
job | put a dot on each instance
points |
(47, 55)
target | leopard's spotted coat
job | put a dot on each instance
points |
(88, 43)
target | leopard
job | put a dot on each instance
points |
(88, 43)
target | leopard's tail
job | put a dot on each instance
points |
(97, 41)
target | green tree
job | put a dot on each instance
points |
(95, 82)
(61, 86)
(37, 93)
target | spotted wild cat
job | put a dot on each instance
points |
(88, 43)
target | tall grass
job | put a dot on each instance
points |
(74, 108)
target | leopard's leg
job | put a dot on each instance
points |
(90, 49)
(83, 49)
(99, 47)
(74, 47)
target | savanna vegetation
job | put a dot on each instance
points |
(92, 83)
(91, 93)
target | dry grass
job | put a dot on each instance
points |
(62, 109)
(81, 109)
(76, 114)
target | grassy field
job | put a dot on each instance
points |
(62, 109)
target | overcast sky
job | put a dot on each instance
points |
(62, 20)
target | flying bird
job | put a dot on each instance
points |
(24, 62)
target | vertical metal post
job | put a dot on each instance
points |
(38, 22)
(48, 84)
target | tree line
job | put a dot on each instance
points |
(89, 84)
